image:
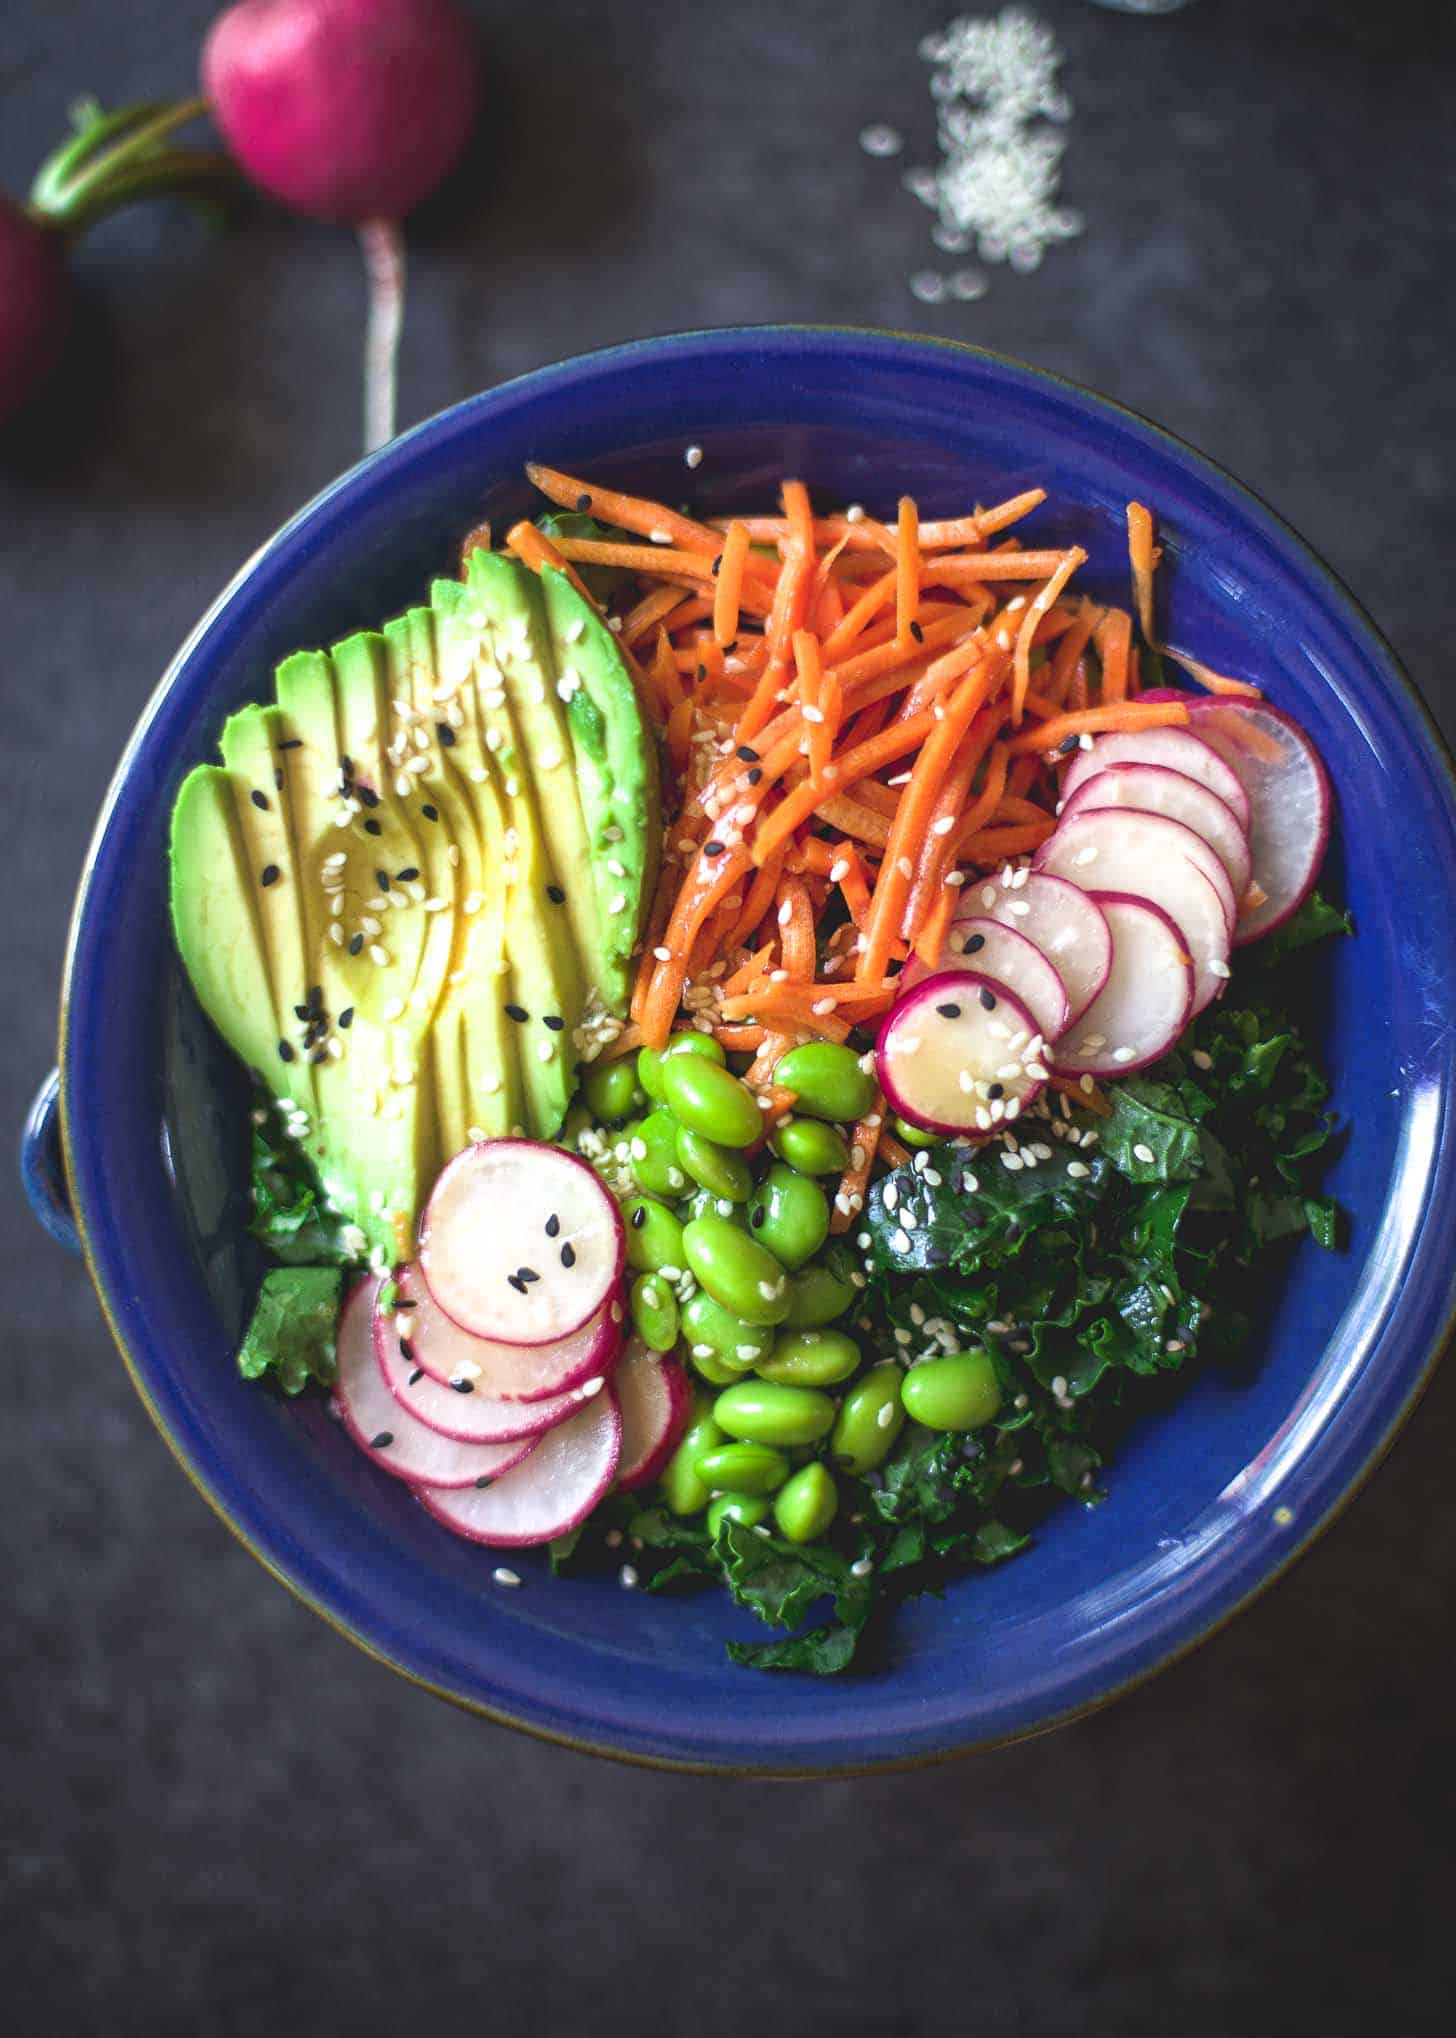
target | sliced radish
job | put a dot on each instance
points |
(521, 1242)
(567, 1473)
(655, 1398)
(1147, 999)
(397, 1441)
(485, 1369)
(1154, 789)
(959, 1053)
(1060, 919)
(459, 1410)
(1118, 849)
(1289, 802)
(1176, 749)
(1004, 954)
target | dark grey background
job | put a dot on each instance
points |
(218, 1818)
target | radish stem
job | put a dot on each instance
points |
(382, 243)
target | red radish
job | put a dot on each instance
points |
(1154, 789)
(34, 304)
(1147, 999)
(1115, 849)
(655, 1398)
(350, 110)
(393, 1438)
(1007, 956)
(521, 1242)
(959, 1053)
(1289, 802)
(1061, 920)
(1176, 749)
(530, 1377)
(460, 1411)
(567, 1473)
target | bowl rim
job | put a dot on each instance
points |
(892, 341)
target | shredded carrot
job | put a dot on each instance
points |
(679, 735)
(536, 550)
(1068, 651)
(727, 597)
(663, 674)
(1117, 715)
(949, 806)
(790, 1004)
(796, 928)
(1021, 679)
(931, 937)
(995, 566)
(892, 1151)
(1143, 556)
(840, 811)
(1113, 641)
(1091, 1098)
(907, 566)
(993, 845)
(1215, 682)
(1013, 808)
(739, 1039)
(860, 614)
(855, 1181)
(760, 898)
(890, 744)
(627, 512)
(657, 607)
(811, 704)
(627, 1042)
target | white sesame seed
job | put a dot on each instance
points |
(1012, 1161)
(886, 1415)
(1078, 1169)
(504, 1577)
(628, 1576)
(1122, 1054)
(955, 877)
(1085, 856)
(1219, 969)
(862, 1566)
(1201, 1060)
(378, 955)
(1144, 1154)
(900, 1241)
(693, 457)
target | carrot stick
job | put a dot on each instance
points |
(865, 758)
(654, 608)
(907, 566)
(1021, 668)
(653, 560)
(994, 566)
(1215, 682)
(1113, 639)
(1068, 651)
(679, 734)
(994, 844)
(950, 802)
(811, 699)
(740, 1039)
(708, 882)
(729, 591)
(536, 550)
(840, 811)
(1091, 1099)
(931, 938)
(891, 1150)
(853, 1183)
(827, 608)
(749, 972)
(760, 898)
(796, 928)
(866, 534)
(859, 615)
(663, 674)
(1048, 736)
(979, 813)
(1014, 808)
(792, 1004)
(1143, 556)
(628, 512)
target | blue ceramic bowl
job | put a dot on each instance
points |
(1212, 1497)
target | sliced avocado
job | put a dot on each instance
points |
(617, 773)
(217, 922)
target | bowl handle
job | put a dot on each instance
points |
(42, 1169)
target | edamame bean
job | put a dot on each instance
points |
(806, 1505)
(653, 1147)
(916, 1135)
(748, 1509)
(958, 1392)
(730, 1341)
(609, 1089)
(812, 1146)
(718, 1169)
(827, 1080)
(708, 1366)
(736, 1270)
(709, 1100)
(742, 1468)
(654, 1312)
(817, 1295)
(790, 1215)
(766, 1413)
(650, 1059)
(682, 1489)
(654, 1235)
(810, 1358)
(870, 1418)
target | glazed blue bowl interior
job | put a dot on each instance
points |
(1214, 1492)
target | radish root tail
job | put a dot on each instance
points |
(382, 244)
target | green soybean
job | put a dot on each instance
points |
(810, 1358)
(812, 1147)
(708, 1366)
(916, 1135)
(817, 1295)
(710, 1100)
(960, 1391)
(748, 1509)
(682, 1489)
(767, 1413)
(790, 1215)
(806, 1505)
(827, 1081)
(650, 1059)
(743, 1467)
(725, 1174)
(654, 1235)
(654, 1312)
(655, 1166)
(736, 1270)
(609, 1088)
(870, 1418)
(715, 1332)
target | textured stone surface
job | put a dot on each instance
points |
(215, 1817)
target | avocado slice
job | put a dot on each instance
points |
(617, 774)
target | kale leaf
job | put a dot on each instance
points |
(289, 1216)
(291, 1337)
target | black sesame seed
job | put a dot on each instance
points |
(747, 753)
(583, 502)
(382, 1442)
(528, 1273)
(416, 1376)
(555, 894)
(553, 1225)
(269, 875)
(996, 1090)
(988, 1000)
(514, 1281)
(259, 799)
(552, 1023)
(518, 1013)
(568, 1256)
(346, 765)
(346, 1020)
(702, 672)
(917, 633)
(285, 1050)
(483, 1481)
(639, 1217)
(949, 1011)
(976, 941)
(302, 1012)
(399, 1302)
(366, 795)
(717, 564)
(1067, 745)
(467, 1386)
(712, 849)
(372, 828)
(291, 743)
(356, 943)
(755, 775)
(381, 878)
(408, 875)
(757, 1218)
(445, 733)
(430, 813)
(406, 1351)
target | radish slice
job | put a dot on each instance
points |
(396, 1440)
(567, 1473)
(1153, 789)
(1147, 999)
(1175, 749)
(460, 1411)
(1116, 849)
(655, 1397)
(484, 1368)
(959, 1053)
(1005, 955)
(1289, 803)
(1061, 920)
(521, 1242)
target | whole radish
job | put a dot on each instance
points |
(34, 303)
(349, 110)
